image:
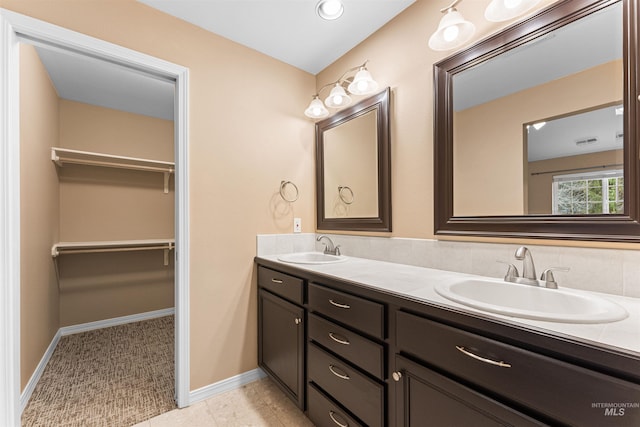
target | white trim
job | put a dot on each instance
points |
(9, 226)
(229, 384)
(35, 377)
(15, 27)
(115, 321)
(181, 252)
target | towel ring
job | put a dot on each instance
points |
(348, 199)
(283, 185)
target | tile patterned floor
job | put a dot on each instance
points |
(257, 404)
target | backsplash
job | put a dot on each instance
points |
(613, 271)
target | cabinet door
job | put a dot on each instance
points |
(425, 398)
(281, 344)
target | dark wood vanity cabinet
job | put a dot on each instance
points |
(376, 359)
(424, 397)
(544, 387)
(345, 361)
(281, 332)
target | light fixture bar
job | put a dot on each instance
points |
(360, 84)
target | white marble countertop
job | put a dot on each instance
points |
(418, 283)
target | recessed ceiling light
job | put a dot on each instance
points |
(329, 9)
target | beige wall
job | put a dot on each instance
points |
(247, 133)
(540, 181)
(39, 212)
(489, 152)
(113, 204)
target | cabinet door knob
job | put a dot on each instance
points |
(397, 376)
(298, 320)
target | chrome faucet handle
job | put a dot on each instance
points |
(336, 251)
(512, 272)
(549, 280)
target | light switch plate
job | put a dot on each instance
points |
(297, 225)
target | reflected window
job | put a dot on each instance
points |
(590, 193)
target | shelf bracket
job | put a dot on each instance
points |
(166, 183)
(166, 256)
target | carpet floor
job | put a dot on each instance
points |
(116, 376)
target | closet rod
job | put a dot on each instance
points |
(114, 165)
(123, 249)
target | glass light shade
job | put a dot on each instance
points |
(337, 97)
(363, 83)
(453, 31)
(316, 109)
(329, 9)
(503, 10)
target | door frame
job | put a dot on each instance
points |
(16, 28)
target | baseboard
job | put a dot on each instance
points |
(37, 373)
(75, 329)
(90, 326)
(225, 385)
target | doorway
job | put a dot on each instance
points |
(18, 29)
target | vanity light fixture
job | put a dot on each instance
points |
(329, 9)
(503, 10)
(360, 84)
(453, 30)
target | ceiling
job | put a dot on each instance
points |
(94, 81)
(288, 30)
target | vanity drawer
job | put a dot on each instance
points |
(358, 393)
(286, 286)
(324, 413)
(364, 315)
(567, 393)
(362, 352)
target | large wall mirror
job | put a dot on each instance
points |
(353, 167)
(535, 128)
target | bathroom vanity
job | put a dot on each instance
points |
(366, 342)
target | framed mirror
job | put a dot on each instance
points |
(353, 167)
(535, 128)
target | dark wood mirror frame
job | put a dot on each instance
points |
(617, 228)
(380, 104)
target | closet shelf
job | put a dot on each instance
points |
(64, 156)
(63, 248)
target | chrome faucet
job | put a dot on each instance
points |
(528, 269)
(329, 247)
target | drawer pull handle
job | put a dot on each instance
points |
(297, 320)
(397, 376)
(482, 359)
(337, 304)
(338, 340)
(277, 281)
(333, 418)
(338, 374)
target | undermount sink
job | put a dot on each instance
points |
(532, 302)
(311, 258)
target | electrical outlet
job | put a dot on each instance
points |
(297, 225)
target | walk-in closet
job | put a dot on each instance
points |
(97, 234)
